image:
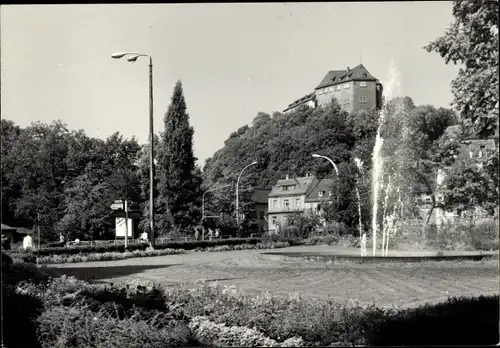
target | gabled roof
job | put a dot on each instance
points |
(302, 187)
(260, 194)
(8, 228)
(358, 73)
(324, 185)
(301, 101)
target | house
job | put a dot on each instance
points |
(259, 218)
(355, 89)
(15, 234)
(472, 147)
(292, 195)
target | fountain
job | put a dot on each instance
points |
(362, 236)
(377, 174)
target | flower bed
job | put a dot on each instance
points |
(66, 312)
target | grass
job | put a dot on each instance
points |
(398, 284)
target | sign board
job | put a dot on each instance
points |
(120, 227)
(117, 205)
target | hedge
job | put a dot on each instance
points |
(90, 249)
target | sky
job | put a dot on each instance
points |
(234, 60)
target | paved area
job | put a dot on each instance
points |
(398, 284)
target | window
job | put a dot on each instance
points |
(286, 203)
(363, 99)
(275, 203)
(363, 84)
(320, 193)
(337, 87)
(330, 193)
(318, 207)
(347, 85)
(273, 220)
(262, 215)
(346, 100)
(297, 202)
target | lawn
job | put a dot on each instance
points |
(407, 285)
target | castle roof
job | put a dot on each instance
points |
(358, 73)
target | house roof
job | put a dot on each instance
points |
(457, 131)
(324, 185)
(358, 73)
(302, 186)
(8, 228)
(305, 99)
(259, 195)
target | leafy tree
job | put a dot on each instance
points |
(179, 179)
(472, 41)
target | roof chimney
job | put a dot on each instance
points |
(348, 69)
(286, 177)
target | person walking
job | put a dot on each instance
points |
(196, 233)
(217, 233)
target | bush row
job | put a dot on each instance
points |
(109, 256)
(189, 245)
(73, 313)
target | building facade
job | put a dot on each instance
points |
(258, 220)
(292, 195)
(355, 89)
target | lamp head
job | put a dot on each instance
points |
(254, 162)
(315, 155)
(133, 58)
(118, 55)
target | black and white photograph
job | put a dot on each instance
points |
(250, 174)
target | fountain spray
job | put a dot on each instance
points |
(377, 151)
(359, 164)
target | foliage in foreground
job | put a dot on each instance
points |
(73, 313)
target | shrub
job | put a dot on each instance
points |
(218, 335)
(107, 256)
(460, 321)
(78, 326)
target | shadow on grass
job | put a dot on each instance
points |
(97, 273)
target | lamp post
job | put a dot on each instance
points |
(132, 57)
(203, 207)
(329, 160)
(237, 196)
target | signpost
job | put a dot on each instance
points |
(123, 206)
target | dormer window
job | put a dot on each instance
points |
(346, 85)
(321, 193)
(330, 193)
(363, 84)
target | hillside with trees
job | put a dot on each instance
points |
(283, 145)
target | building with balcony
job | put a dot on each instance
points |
(355, 89)
(292, 195)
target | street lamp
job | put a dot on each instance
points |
(132, 57)
(237, 196)
(203, 207)
(328, 159)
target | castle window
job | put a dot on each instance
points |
(363, 84)
(275, 203)
(330, 193)
(363, 99)
(347, 85)
(286, 203)
(337, 87)
(320, 193)
(274, 220)
(481, 150)
(297, 202)
(346, 100)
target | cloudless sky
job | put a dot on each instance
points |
(234, 60)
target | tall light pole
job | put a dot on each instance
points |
(132, 57)
(203, 207)
(237, 196)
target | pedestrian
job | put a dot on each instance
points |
(217, 233)
(196, 233)
(61, 239)
(210, 234)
